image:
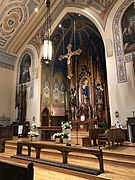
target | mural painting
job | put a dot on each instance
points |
(58, 89)
(24, 69)
(128, 29)
(46, 86)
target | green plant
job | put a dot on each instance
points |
(107, 131)
(66, 125)
(101, 124)
(65, 135)
(57, 135)
(34, 127)
(33, 134)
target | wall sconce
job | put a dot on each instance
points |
(116, 114)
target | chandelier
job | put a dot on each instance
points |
(47, 42)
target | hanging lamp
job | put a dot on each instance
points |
(47, 41)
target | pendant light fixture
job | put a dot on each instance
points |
(47, 41)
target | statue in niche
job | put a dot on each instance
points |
(85, 91)
(73, 97)
(99, 94)
(84, 110)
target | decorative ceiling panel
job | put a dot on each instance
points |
(14, 14)
(18, 20)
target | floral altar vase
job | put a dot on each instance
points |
(66, 128)
(33, 133)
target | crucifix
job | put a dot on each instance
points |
(68, 56)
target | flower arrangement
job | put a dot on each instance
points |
(33, 132)
(34, 127)
(65, 135)
(57, 135)
(66, 125)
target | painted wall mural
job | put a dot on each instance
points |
(123, 49)
(46, 86)
(128, 29)
(24, 69)
(58, 90)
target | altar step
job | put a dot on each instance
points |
(120, 155)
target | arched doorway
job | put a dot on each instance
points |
(45, 117)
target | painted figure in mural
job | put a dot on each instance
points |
(129, 35)
(21, 103)
(56, 91)
(46, 90)
(99, 94)
(62, 89)
(24, 69)
(73, 97)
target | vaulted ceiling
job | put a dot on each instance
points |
(19, 24)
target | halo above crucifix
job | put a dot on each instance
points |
(68, 56)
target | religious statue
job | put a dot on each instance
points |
(99, 94)
(84, 110)
(73, 97)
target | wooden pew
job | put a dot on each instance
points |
(6, 132)
(2, 145)
(10, 171)
(65, 150)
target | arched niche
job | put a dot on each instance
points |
(45, 117)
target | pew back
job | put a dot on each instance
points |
(16, 172)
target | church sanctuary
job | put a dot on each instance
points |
(67, 89)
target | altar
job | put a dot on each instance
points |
(83, 125)
(46, 132)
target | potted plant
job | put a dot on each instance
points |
(66, 127)
(57, 137)
(65, 137)
(33, 133)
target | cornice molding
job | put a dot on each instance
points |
(7, 61)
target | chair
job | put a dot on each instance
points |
(93, 135)
(112, 136)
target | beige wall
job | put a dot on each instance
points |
(6, 83)
(121, 95)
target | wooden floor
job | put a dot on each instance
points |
(119, 163)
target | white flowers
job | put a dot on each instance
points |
(66, 125)
(33, 132)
